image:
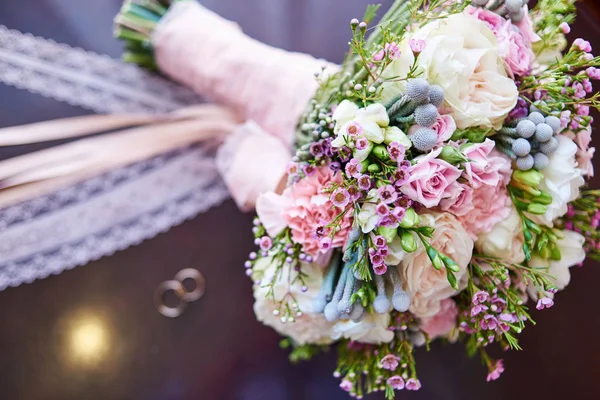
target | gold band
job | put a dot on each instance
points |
(198, 292)
(175, 286)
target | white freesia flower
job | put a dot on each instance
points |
(562, 180)
(571, 253)
(311, 327)
(505, 240)
(395, 252)
(395, 134)
(367, 217)
(373, 329)
(461, 55)
(373, 121)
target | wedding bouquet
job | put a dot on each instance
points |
(437, 189)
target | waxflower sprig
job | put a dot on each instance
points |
(551, 19)
(583, 216)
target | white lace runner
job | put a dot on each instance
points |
(86, 79)
(111, 212)
(105, 214)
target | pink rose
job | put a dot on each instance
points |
(461, 202)
(430, 179)
(483, 168)
(526, 28)
(514, 42)
(442, 323)
(444, 127)
(514, 49)
(306, 209)
(490, 19)
(427, 286)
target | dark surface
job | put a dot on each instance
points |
(217, 350)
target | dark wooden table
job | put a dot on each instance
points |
(217, 350)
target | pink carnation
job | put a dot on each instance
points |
(306, 209)
(442, 323)
(526, 28)
(430, 179)
(490, 19)
(483, 168)
(444, 127)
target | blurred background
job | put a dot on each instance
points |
(93, 332)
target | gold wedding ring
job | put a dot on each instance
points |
(184, 296)
(190, 273)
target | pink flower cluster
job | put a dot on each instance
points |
(310, 210)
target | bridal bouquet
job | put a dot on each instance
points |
(437, 189)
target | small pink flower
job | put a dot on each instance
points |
(354, 128)
(593, 73)
(346, 385)
(292, 169)
(478, 309)
(340, 198)
(544, 302)
(382, 210)
(583, 45)
(413, 384)
(355, 193)
(379, 241)
(396, 151)
(326, 243)
(362, 143)
(391, 49)
(364, 182)
(353, 168)
(481, 297)
(396, 382)
(390, 362)
(416, 45)
(387, 194)
(430, 178)
(400, 176)
(380, 269)
(579, 90)
(489, 322)
(266, 243)
(497, 370)
(565, 28)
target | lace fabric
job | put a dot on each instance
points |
(86, 79)
(98, 216)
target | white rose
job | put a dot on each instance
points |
(571, 253)
(562, 180)
(311, 327)
(367, 216)
(373, 329)
(426, 285)
(461, 55)
(505, 240)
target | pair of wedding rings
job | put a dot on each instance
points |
(176, 286)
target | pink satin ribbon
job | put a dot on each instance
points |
(269, 86)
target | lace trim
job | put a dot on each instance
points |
(105, 214)
(86, 79)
